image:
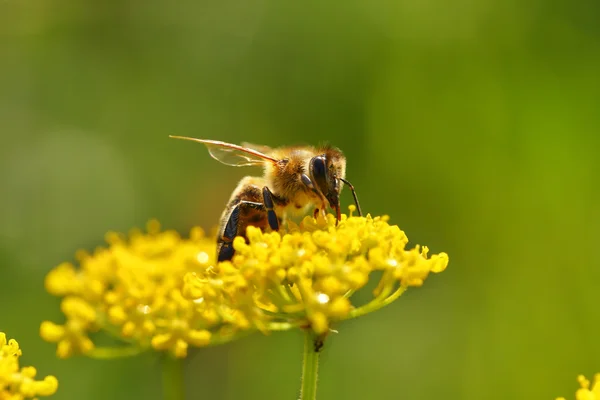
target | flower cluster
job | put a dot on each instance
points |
(587, 390)
(19, 382)
(306, 276)
(158, 290)
(132, 290)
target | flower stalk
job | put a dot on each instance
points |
(310, 365)
(172, 378)
(375, 305)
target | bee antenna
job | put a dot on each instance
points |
(353, 195)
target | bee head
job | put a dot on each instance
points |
(324, 173)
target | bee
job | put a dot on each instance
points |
(295, 179)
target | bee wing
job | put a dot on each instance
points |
(258, 147)
(232, 154)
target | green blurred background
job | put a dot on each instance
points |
(473, 124)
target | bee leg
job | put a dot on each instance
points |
(309, 184)
(271, 216)
(225, 250)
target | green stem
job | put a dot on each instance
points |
(375, 305)
(290, 293)
(283, 293)
(310, 367)
(172, 378)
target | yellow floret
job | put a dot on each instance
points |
(305, 276)
(19, 382)
(132, 289)
(588, 390)
(157, 290)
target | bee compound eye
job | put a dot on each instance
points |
(318, 166)
(318, 171)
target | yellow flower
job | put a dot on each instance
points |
(158, 290)
(587, 390)
(16, 382)
(72, 336)
(306, 276)
(132, 290)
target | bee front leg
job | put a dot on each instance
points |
(322, 211)
(311, 186)
(225, 249)
(309, 183)
(269, 206)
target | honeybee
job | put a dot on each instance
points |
(295, 179)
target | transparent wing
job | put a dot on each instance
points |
(232, 154)
(258, 147)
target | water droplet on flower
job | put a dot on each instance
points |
(301, 252)
(322, 298)
(199, 300)
(144, 309)
(392, 263)
(202, 257)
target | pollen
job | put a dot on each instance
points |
(19, 382)
(132, 289)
